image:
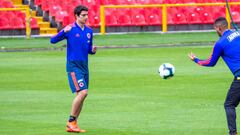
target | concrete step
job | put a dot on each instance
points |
(33, 13)
(44, 24)
(39, 19)
(48, 31)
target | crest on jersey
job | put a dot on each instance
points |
(88, 35)
(77, 35)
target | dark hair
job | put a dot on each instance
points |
(221, 21)
(79, 9)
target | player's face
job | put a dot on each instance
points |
(217, 28)
(82, 18)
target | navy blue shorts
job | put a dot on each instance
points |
(77, 81)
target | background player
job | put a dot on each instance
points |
(228, 47)
(79, 45)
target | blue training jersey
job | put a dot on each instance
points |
(79, 42)
(228, 47)
(79, 45)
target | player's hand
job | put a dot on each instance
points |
(94, 49)
(67, 28)
(191, 56)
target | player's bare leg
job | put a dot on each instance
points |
(84, 95)
(76, 110)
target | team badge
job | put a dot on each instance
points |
(88, 35)
(77, 35)
(80, 83)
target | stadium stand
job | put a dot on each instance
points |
(60, 14)
(14, 22)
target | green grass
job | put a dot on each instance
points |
(118, 40)
(126, 96)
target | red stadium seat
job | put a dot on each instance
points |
(236, 16)
(194, 18)
(33, 23)
(218, 14)
(111, 20)
(37, 2)
(235, 8)
(123, 2)
(110, 11)
(143, 1)
(17, 23)
(206, 18)
(139, 20)
(104, 2)
(74, 3)
(20, 15)
(90, 2)
(44, 5)
(172, 11)
(186, 10)
(154, 19)
(9, 14)
(68, 20)
(187, 1)
(94, 21)
(6, 4)
(179, 18)
(146, 11)
(171, 1)
(157, 1)
(200, 10)
(134, 11)
(157, 11)
(60, 15)
(124, 20)
(4, 23)
(122, 11)
(54, 9)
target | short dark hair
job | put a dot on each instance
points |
(221, 21)
(79, 9)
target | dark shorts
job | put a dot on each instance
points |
(77, 81)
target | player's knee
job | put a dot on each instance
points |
(229, 105)
(84, 93)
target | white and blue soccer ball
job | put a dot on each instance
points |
(166, 70)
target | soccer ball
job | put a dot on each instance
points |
(166, 70)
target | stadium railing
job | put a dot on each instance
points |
(164, 11)
(27, 12)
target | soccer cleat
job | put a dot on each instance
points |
(73, 127)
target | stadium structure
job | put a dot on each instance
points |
(49, 16)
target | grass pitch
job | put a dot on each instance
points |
(126, 96)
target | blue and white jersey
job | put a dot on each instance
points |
(79, 42)
(79, 45)
(228, 47)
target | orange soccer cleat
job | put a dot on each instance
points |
(73, 127)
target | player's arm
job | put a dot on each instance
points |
(212, 60)
(61, 35)
(92, 49)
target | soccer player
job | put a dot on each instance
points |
(79, 45)
(228, 47)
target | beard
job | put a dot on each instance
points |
(219, 34)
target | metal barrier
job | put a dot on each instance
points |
(27, 12)
(164, 11)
